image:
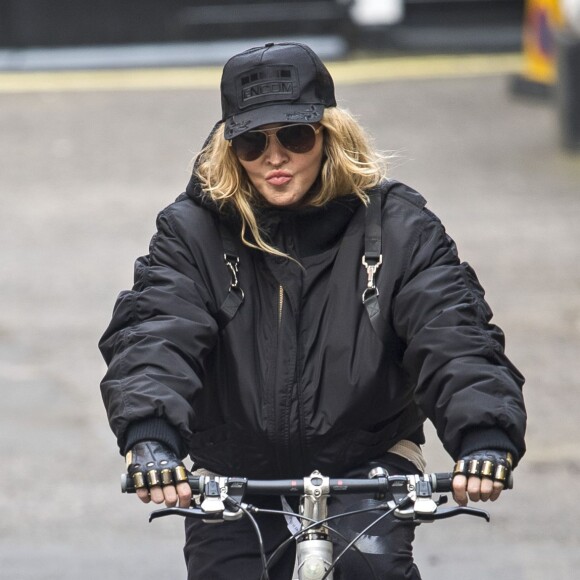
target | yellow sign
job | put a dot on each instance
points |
(542, 19)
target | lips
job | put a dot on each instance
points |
(278, 177)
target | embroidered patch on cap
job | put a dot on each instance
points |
(267, 84)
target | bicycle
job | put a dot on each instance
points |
(220, 499)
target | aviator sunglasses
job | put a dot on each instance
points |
(296, 138)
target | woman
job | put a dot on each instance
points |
(290, 355)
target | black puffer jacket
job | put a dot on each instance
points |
(299, 379)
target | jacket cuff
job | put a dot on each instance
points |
(153, 429)
(490, 438)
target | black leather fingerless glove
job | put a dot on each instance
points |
(150, 463)
(490, 463)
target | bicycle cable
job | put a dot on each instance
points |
(267, 562)
(274, 556)
(324, 522)
(402, 503)
(263, 556)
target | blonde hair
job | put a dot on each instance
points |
(350, 166)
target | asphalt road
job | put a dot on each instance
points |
(82, 176)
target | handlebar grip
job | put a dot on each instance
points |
(442, 482)
(127, 485)
(509, 484)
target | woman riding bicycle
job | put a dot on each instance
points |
(298, 310)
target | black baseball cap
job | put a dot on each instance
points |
(275, 83)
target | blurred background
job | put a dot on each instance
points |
(103, 105)
(413, 22)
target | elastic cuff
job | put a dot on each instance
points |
(153, 429)
(490, 438)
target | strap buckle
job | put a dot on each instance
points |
(232, 265)
(372, 268)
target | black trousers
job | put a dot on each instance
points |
(229, 550)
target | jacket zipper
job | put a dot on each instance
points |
(295, 383)
(280, 303)
(280, 430)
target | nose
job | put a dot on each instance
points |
(274, 153)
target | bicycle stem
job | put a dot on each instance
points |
(314, 547)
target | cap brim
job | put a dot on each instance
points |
(278, 113)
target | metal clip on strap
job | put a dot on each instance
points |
(372, 269)
(373, 257)
(232, 265)
(235, 296)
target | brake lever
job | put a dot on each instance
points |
(191, 512)
(426, 509)
(446, 513)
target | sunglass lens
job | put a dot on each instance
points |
(249, 146)
(297, 138)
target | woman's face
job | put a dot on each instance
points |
(281, 176)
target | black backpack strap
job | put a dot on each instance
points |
(235, 295)
(373, 259)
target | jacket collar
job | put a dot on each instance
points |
(308, 230)
(303, 231)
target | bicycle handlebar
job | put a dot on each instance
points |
(406, 497)
(440, 482)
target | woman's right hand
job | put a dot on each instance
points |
(158, 474)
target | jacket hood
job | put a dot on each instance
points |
(313, 229)
(195, 192)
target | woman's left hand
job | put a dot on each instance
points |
(475, 489)
(481, 476)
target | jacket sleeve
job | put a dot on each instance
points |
(465, 384)
(156, 344)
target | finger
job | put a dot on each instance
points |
(153, 478)
(139, 480)
(460, 489)
(497, 489)
(184, 494)
(170, 495)
(143, 495)
(486, 489)
(474, 488)
(156, 494)
(166, 477)
(180, 474)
